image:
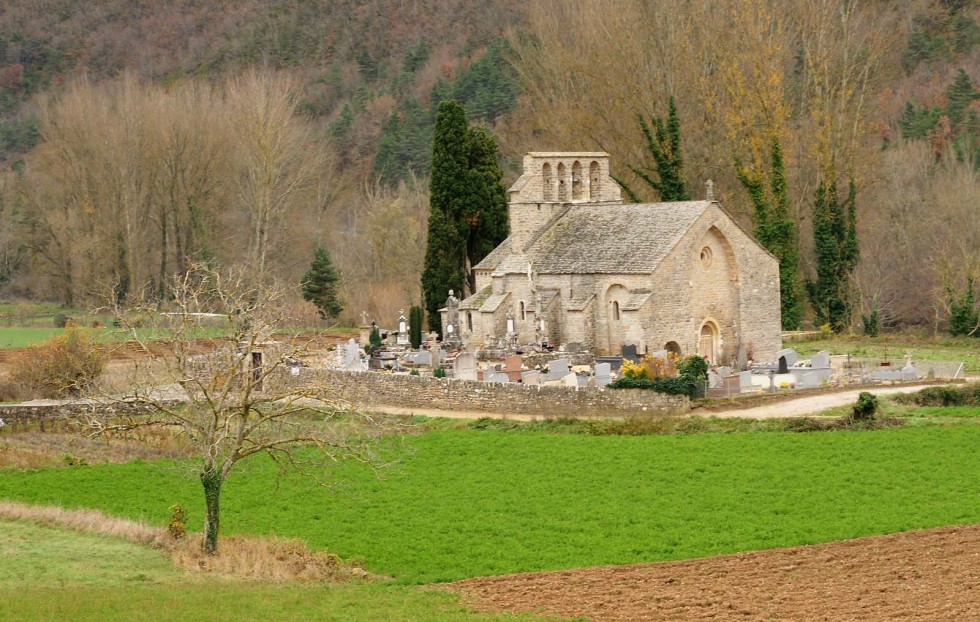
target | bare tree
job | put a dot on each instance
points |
(234, 397)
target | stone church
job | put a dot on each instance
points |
(582, 266)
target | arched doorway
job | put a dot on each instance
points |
(674, 348)
(708, 343)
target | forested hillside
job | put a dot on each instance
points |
(131, 131)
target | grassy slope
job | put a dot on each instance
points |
(467, 503)
(53, 574)
(894, 347)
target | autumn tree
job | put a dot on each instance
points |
(232, 398)
(320, 284)
(664, 145)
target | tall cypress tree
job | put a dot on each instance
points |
(467, 207)
(836, 249)
(775, 229)
(486, 220)
(664, 144)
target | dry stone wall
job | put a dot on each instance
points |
(368, 389)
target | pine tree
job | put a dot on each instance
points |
(664, 145)
(775, 230)
(320, 284)
(467, 207)
(959, 96)
(836, 249)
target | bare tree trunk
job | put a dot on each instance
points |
(211, 479)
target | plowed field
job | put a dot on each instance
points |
(931, 574)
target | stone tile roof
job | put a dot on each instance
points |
(607, 239)
(476, 300)
(493, 301)
(638, 298)
(579, 304)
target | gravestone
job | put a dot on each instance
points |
(421, 358)
(603, 374)
(725, 371)
(783, 366)
(615, 362)
(557, 369)
(811, 380)
(532, 377)
(714, 380)
(742, 357)
(512, 367)
(744, 379)
(820, 359)
(498, 377)
(402, 329)
(464, 367)
(909, 372)
(629, 352)
(570, 380)
(352, 357)
(790, 355)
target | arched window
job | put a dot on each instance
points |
(594, 180)
(577, 190)
(547, 182)
(562, 185)
(673, 347)
(523, 312)
(615, 309)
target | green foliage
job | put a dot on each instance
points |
(865, 407)
(488, 87)
(917, 123)
(467, 206)
(629, 497)
(948, 396)
(320, 285)
(439, 372)
(669, 385)
(415, 316)
(964, 120)
(959, 95)
(964, 315)
(871, 322)
(374, 339)
(940, 35)
(693, 367)
(664, 145)
(775, 230)
(836, 250)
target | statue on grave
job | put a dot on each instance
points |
(364, 318)
(402, 329)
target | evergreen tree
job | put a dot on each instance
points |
(959, 96)
(486, 219)
(467, 207)
(664, 145)
(836, 249)
(964, 317)
(775, 230)
(449, 197)
(320, 284)
(415, 315)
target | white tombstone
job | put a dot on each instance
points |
(532, 377)
(909, 372)
(423, 358)
(820, 360)
(744, 379)
(498, 377)
(464, 366)
(352, 357)
(558, 369)
(714, 380)
(571, 380)
(603, 374)
(402, 329)
(810, 380)
(725, 371)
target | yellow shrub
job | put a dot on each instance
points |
(63, 366)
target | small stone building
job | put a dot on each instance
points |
(582, 266)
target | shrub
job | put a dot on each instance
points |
(672, 386)
(865, 407)
(177, 527)
(64, 366)
(965, 395)
(439, 372)
(415, 327)
(62, 320)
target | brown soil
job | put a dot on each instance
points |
(932, 574)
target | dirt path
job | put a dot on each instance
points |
(931, 574)
(812, 404)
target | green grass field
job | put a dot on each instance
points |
(466, 502)
(53, 574)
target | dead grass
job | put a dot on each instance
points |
(266, 559)
(29, 447)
